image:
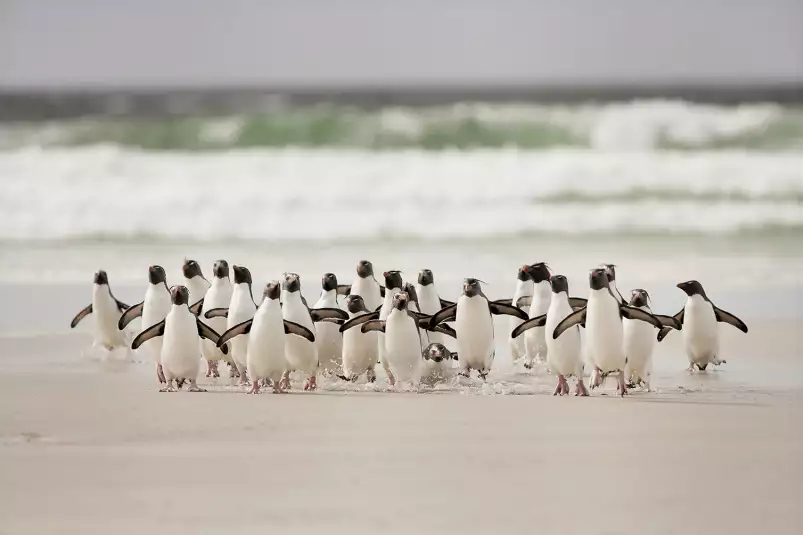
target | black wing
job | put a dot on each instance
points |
(86, 311)
(359, 320)
(445, 314)
(633, 313)
(669, 321)
(665, 330)
(500, 308)
(122, 307)
(217, 313)
(727, 317)
(343, 289)
(299, 330)
(130, 314)
(445, 302)
(373, 325)
(319, 314)
(151, 332)
(507, 302)
(422, 320)
(205, 331)
(240, 328)
(196, 308)
(524, 301)
(577, 302)
(445, 329)
(575, 318)
(538, 321)
(381, 290)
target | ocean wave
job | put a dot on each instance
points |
(641, 125)
(108, 193)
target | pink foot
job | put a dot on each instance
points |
(160, 374)
(311, 383)
(580, 389)
(254, 387)
(596, 378)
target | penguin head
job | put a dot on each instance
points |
(101, 277)
(539, 272)
(639, 298)
(472, 287)
(329, 282)
(598, 279)
(400, 300)
(191, 269)
(692, 288)
(436, 352)
(524, 273)
(157, 275)
(272, 290)
(559, 284)
(241, 275)
(410, 290)
(425, 277)
(355, 304)
(393, 279)
(180, 295)
(610, 271)
(221, 269)
(365, 269)
(292, 282)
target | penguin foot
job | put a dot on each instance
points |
(284, 383)
(391, 379)
(621, 384)
(180, 383)
(195, 388)
(160, 374)
(483, 375)
(254, 387)
(562, 388)
(311, 383)
(596, 378)
(370, 375)
(169, 387)
(580, 389)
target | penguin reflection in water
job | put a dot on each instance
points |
(181, 349)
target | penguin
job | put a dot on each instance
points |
(266, 358)
(524, 288)
(474, 325)
(301, 353)
(360, 350)
(699, 318)
(610, 271)
(366, 286)
(393, 284)
(196, 283)
(602, 317)
(328, 338)
(430, 302)
(153, 309)
(181, 350)
(241, 307)
(564, 354)
(639, 340)
(437, 366)
(107, 311)
(218, 296)
(535, 339)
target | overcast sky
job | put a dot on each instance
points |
(380, 42)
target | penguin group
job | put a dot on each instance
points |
(409, 329)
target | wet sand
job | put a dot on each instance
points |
(91, 447)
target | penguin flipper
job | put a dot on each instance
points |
(299, 330)
(726, 317)
(373, 325)
(538, 321)
(501, 308)
(679, 318)
(320, 314)
(130, 314)
(633, 313)
(576, 317)
(205, 331)
(122, 307)
(577, 302)
(445, 302)
(445, 329)
(507, 302)
(381, 290)
(240, 328)
(343, 289)
(196, 308)
(359, 320)
(303, 300)
(151, 332)
(669, 322)
(217, 313)
(524, 301)
(442, 315)
(86, 311)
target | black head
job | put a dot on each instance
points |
(272, 290)
(365, 269)
(472, 287)
(393, 280)
(180, 295)
(221, 269)
(559, 284)
(692, 288)
(101, 277)
(329, 282)
(157, 275)
(400, 300)
(425, 277)
(639, 298)
(191, 269)
(524, 273)
(410, 289)
(539, 272)
(598, 279)
(355, 304)
(292, 282)
(241, 275)
(436, 352)
(610, 271)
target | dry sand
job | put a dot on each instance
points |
(91, 448)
